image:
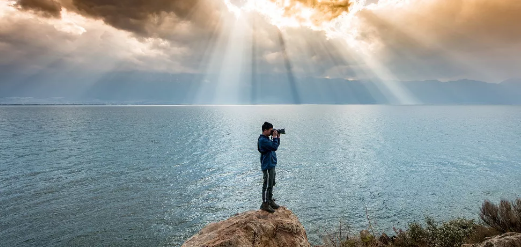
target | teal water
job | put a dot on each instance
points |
(154, 175)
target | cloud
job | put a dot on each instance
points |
(48, 8)
(409, 39)
(168, 19)
(324, 10)
(413, 39)
(75, 45)
(468, 25)
(416, 39)
(293, 13)
(172, 34)
(142, 17)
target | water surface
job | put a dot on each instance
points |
(154, 175)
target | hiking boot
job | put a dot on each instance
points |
(273, 204)
(266, 207)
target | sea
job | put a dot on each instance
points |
(155, 175)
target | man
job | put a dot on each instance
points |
(268, 159)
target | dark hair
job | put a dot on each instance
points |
(266, 126)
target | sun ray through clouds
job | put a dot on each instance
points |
(231, 51)
(289, 69)
(332, 18)
(227, 69)
(347, 21)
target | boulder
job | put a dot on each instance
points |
(253, 228)
(509, 239)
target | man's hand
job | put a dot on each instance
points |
(276, 134)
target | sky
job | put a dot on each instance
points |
(70, 45)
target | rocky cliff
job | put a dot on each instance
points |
(253, 228)
(509, 239)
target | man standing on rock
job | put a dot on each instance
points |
(268, 159)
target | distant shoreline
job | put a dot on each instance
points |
(81, 104)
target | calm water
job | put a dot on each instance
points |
(154, 175)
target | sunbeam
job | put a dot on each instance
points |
(289, 69)
(235, 51)
(347, 21)
(333, 18)
(228, 67)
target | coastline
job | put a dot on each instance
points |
(500, 226)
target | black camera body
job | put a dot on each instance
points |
(281, 131)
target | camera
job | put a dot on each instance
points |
(281, 131)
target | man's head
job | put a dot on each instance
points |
(266, 128)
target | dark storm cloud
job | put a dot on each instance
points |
(48, 8)
(168, 19)
(143, 16)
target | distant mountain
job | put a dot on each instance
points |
(460, 92)
(512, 81)
(164, 88)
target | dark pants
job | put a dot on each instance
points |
(267, 186)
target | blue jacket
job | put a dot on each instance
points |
(267, 148)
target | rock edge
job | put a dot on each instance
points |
(253, 228)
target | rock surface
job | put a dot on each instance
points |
(509, 239)
(253, 228)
